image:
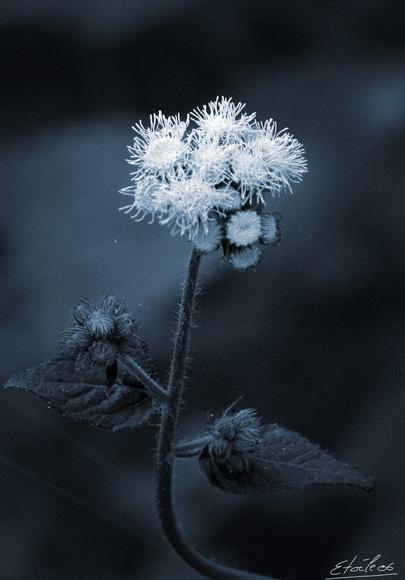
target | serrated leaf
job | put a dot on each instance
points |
(84, 395)
(284, 460)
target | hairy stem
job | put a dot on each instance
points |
(166, 453)
(193, 447)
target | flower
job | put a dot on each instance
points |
(186, 202)
(284, 155)
(223, 119)
(235, 436)
(100, 333)
(158, 149)
(267, 162)
(144, 199)
(244, 228)
(209, 157)
(252, 171)
(235, 200)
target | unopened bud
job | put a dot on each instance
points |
(235, 436)
(271, 229)
(208, 240)
(100, 333)
(244, 228)
(244, 258)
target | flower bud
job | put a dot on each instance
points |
(271, 229)
(81, 312)
(208, 240)
(103, 352)
(100, 333)
(124, 326)
(244, 258)
(244, 228)
(235, 436)
(100, 323)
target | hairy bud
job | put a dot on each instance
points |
(244, 258)
(209, 240)
(244, 228)
(271, 229)
(235, 436)
(100, 333)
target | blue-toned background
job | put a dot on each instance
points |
(314, 338)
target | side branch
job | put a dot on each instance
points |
(193, 447)
(152, 386)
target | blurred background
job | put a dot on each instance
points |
(313, 339)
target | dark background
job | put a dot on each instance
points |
(313, 338)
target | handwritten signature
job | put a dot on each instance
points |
(365, 568)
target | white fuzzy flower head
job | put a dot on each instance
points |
(223, 119)
(144, 202)
(244, 228)
(187, 202)
(234, 196)
(210, 157)
(284, 155)
(159, 148)
(251, 170)
(207, 181)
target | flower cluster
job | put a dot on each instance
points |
(100, 333)
(209, 177)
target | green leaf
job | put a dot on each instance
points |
(84, 395)
(283, 460)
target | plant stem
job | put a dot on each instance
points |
(192, 447)
(152, 386)
(166, 453)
